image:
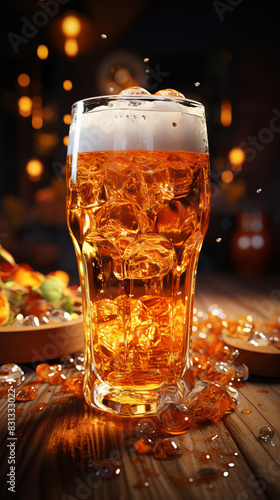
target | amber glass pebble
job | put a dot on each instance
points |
(219, 371)
(175, 419)
(167, 449)
(144, 446)
(50, 373)
(106, 469)
(74, 385)
(209, 400)
(26, 393)
(266, 434)
(146, 428)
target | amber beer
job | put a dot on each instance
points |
(137, 219)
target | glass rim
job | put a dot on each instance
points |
(88, 101)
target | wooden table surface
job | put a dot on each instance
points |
(55, 447)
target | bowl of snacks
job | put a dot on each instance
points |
(40, 315)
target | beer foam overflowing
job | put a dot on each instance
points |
(139, 122)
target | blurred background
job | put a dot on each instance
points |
(224, 54)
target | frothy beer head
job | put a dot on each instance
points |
(138, 121)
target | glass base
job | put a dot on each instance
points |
(128, 403)
(122, 402)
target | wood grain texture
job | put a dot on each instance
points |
(55, 447)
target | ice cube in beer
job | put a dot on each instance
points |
(190, 246)
(149, 256)
(134, 91)
(123, 180)
(159, 183)
(180, 173)
(120, 222)
(177, 221)
(170, 93)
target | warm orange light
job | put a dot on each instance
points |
(42, 52)
(236, 156)
(23, 80)
(227, 176)
(47, 113)
(67, 85)
(65, 140)
(34, 168)
(71, 47)
(71, 26)
(25, 105)
(47, 140)
(37, 122)
(226, 113)
(67, 119)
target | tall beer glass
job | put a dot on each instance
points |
(138, 210)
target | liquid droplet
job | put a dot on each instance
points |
(246, 412)
(259, 191)
(38, 408)
(146, 59)
(103, 36)
(218, 240)
(266, 433)
(197, 84)
(167, 449)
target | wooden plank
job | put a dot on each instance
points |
(55, 449)
(263, 457)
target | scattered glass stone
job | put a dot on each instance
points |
(146, 428)
(218, 240)
(51, 374)
(11, 374)
(209, 400)
(175, 419)
(31, 320)
(67, 361)
(146, 59)
(234, 394)
(242, 371)
(266, 433)
(106, 469)
(259, 190)
(167, 449)
(60, 315)
(144, 446)
(103, 36)
(18, 321)
(219, 371)
(74, 385)
(79, 360)
(197, 84)
(27, 393)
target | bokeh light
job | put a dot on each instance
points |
(227, 176)
(71, 47)
(66, 140)
(23, 80)
(67, 119)
(25, 106)
(67, 85)
(42, 52)
(236, 156)
(71, 26)
(226, 113)
(34, 169)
